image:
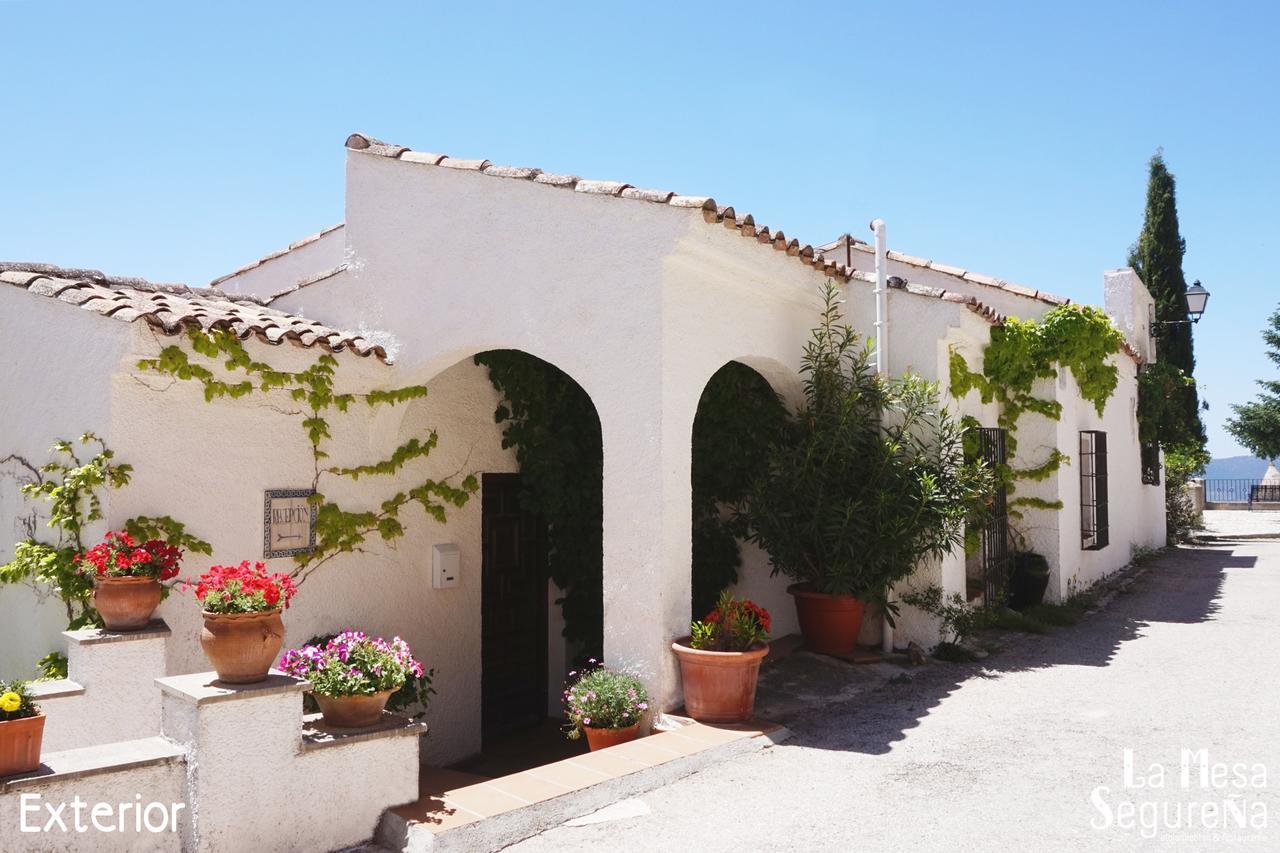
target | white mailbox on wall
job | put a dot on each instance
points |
(446, 561)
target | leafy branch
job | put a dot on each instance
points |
(70, 486)
(338, 530)
(1080, 338)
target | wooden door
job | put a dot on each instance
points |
(513, 611)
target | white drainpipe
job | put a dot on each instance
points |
(882, 349)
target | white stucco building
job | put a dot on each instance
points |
(638, 295)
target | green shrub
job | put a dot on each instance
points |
(867, 478)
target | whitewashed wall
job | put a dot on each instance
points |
(54, 384)
(208, 464)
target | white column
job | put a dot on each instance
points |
(647, 550)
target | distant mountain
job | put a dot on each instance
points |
(1236, 468)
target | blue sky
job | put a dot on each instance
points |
(177, 141)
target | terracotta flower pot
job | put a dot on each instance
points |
(604, 738)
(242, 646)
(126, 604)
(20, 744)
(353, 712)
(719, 687)
(829, 624)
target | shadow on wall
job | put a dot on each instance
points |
(1182, 587)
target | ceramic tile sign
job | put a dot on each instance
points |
(289, 522)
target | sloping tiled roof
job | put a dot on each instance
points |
(173, 308)
(296, 244)
(712, 213)
(954, 271)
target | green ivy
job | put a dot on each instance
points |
(1080, 338)
(70, 487)
(338, 530)
(739, 415)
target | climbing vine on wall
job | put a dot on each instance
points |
(70, 487)
(552, 424)
(339, 530)
(738, 416)
(1080, 338)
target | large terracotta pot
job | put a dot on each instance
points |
(353, 712)
(719, 687)
(126, 604)
(829, 624)
(604, 738)
(20, 744)
(242, 646)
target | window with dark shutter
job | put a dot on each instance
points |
(1151, 464)
(1094, 532)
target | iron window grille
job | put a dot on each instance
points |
(1094, 528)
(997, 556)
(1151, 464)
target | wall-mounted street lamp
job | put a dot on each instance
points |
(1197, 299)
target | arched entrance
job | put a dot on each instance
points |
(542, 578)
(738, 415)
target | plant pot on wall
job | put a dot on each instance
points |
(242, 646)
(719, 687)
(1028, 581)
(599, 739)
(126, 604)
(829, 624)
(20, 742)
(353, 712)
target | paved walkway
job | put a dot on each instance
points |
(1006, 755)
(1239, 522)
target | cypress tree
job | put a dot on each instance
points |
(1157, 258)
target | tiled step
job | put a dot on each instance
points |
(456, 812)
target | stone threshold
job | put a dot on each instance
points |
(456, 813)
(96, 760)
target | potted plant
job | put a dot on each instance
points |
(243, 631)
(720, 661)
(21, 729)
(868, 478)
(1028, 580)
(607, 705)
(126, 577)
(353, 675)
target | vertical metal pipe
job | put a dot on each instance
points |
(882, 352)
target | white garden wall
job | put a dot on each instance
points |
(55, 384)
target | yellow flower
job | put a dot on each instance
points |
(10, 702)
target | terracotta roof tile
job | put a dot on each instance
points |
(469, 165)
(601, 187)
(174, 308)
(656, 196)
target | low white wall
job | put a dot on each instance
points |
(252, 785)
(163, 784)
(119, 701)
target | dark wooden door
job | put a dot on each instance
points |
(513, 611)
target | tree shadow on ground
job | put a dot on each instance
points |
(1182, 586)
